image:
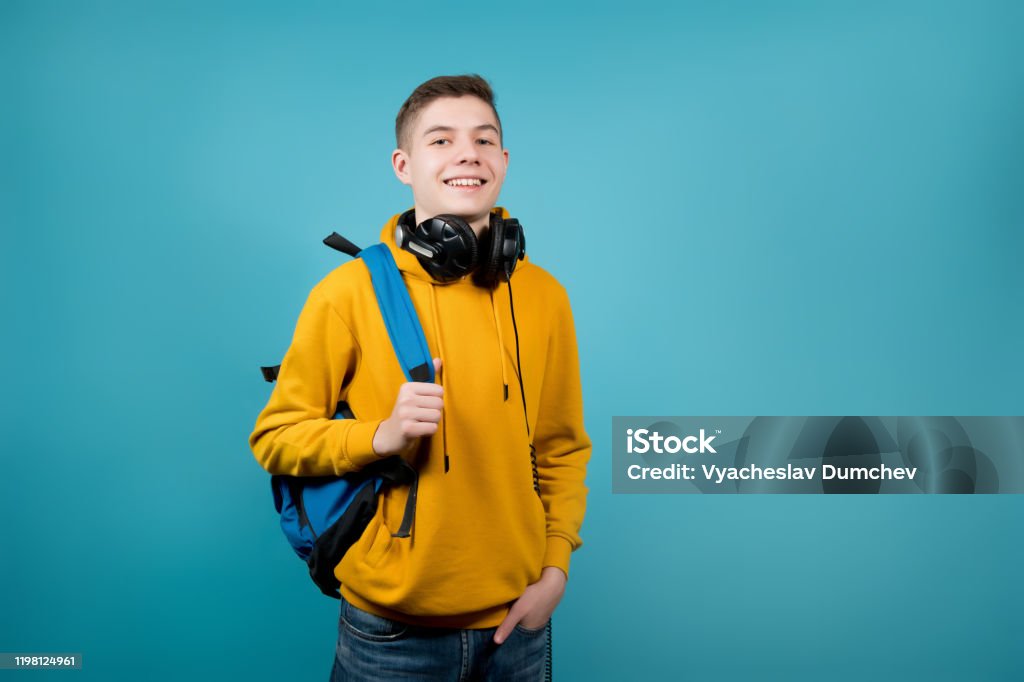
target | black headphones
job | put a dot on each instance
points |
(448, 249)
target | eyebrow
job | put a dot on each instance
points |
(448, 129)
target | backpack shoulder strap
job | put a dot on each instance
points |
(399, 314)
(396, 307)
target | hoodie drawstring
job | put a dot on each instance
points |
(440, 351)
(501, 346)
(438, 336)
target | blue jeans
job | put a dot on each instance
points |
(372, 648)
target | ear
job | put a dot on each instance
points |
(400, 163)
(504, 152)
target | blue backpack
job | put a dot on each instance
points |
(322, 516)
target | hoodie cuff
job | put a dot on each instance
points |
(359, 444)
(557, 553)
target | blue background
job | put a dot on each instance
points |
(787, 208)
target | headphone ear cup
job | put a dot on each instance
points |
(490, 272)
(515, 244)
(404, 229)
(457, 242)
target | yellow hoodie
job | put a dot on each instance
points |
(481, 534)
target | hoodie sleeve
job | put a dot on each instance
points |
(563, 447)
(296, 433)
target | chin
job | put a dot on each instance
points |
(464, 211)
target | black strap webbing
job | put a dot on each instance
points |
(339, 243)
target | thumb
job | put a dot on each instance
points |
(505, 629)
(437, 368)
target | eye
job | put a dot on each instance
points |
(438, 141)
(485, 141)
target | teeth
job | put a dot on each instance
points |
(463, 182)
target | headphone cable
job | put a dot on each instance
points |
(522, 390)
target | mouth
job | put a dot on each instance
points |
(465, 184)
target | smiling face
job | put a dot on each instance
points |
(454, 161)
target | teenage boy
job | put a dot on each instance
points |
(498, 441)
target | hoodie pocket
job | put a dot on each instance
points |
(380, 545)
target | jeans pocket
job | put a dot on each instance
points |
(370, 626)
(530, 632)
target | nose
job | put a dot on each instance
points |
(468, 152)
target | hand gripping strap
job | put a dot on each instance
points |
(400, 317)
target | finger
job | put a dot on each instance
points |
(421, 414)
(505, 629)
(419, 429)
(515, 614)
(429, 401)
(422, 388)
(437, 368)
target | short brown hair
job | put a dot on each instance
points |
(441, 86)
